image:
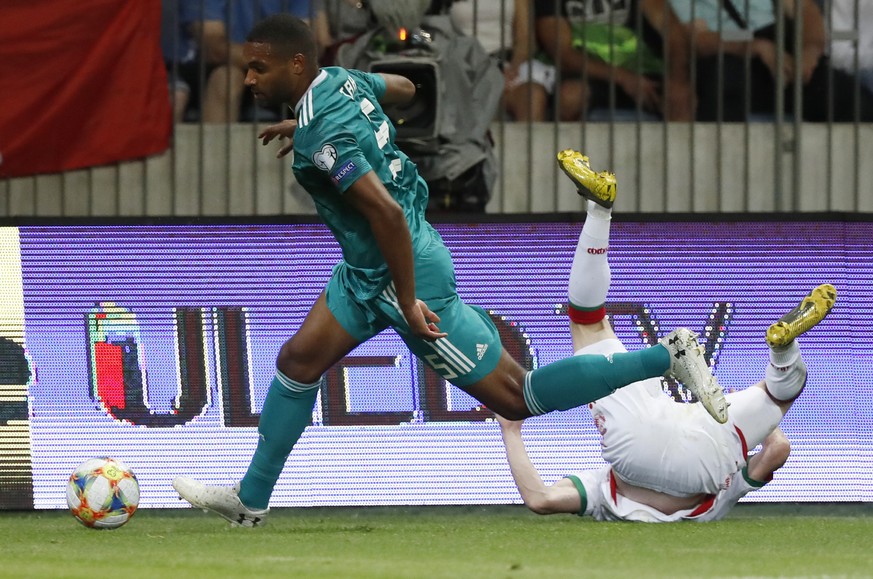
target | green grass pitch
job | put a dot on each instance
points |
(756, 540)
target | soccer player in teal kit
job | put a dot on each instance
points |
(395, 272)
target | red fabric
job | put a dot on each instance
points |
(703, 507)
(586, 317)
(81, 84)
(742, 441)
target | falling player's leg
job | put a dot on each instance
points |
(758, 410)
(786, 373)
(319, 343)
(552, 387)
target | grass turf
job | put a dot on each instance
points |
(760, 540)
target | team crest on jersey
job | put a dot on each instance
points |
(325, 158)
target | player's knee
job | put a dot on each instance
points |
(502, 390)
(779, 448)
(296, 364)
(509, 402)
(514, 410)
(775, 453)
(507, 407)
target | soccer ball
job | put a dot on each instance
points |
(102, 493)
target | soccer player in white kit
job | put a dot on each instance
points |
(668, 460)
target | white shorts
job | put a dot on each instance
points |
(672, 447)
(603, 503)
(536, 72)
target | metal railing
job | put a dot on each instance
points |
(779, 163)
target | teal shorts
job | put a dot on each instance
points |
(472, 348)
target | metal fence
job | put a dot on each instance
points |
(770, 163)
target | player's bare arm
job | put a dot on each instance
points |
(561, 497)
(391, 231)
(398, 89)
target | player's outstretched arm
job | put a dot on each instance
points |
(398, 89)
(561, 497)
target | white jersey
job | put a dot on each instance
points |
(654, 442)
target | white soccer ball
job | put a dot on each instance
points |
(102, 493)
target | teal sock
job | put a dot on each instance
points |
(578, 380)
(287, 412)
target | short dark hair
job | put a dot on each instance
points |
(287, 34)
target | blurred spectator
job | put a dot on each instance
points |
(505, 29)
(180, 57)
(843, 51)
(337, 22)
(625, 43)
(220, 27)
(723, 90)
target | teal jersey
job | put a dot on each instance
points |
(343, 134)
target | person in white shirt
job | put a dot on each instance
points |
(667, 460)
(843, 52)
(505, 30)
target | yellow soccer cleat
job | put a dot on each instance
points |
(598, 187)
(811, 310)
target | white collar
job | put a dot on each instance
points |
(322, 75)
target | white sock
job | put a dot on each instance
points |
(590, 274)
(786, 372)
(600, 218)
